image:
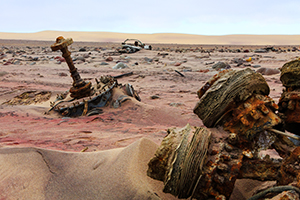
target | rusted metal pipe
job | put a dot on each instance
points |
(80, 88)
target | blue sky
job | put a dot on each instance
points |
(202, 17)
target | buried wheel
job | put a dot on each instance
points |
(237, 100)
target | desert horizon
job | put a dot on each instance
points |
(158, 38)
(106, 152)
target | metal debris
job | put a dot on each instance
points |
(137, 45)
(289, 103)
(91, 105)
(83, 99)
(238, 102)
(30, 97)
(80, 88)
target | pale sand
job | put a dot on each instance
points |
(165, 38)
(32, 173)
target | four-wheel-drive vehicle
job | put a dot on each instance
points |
(134, 45)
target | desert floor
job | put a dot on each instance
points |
(33, 67)
(167, 98)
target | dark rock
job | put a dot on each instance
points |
(187, 70)
(238, 60)
(82, 49)
(260, 51)
(148, 59)
(17, 62)
(209, 63)
(221, 65)
(10, 52)
(154, 97)
(62, 74)
(104, 63)
(3, 73)
(109, 59)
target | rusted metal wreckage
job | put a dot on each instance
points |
(289, 103)
(83, 98)
(133, 45)
(204, 163)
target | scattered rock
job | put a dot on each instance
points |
(209, 63)
(17, 62)
(187, 70)
(109, 59)
(260, 51)
(156, 59)
(176, 104)
(62, 74)
(267, 71)
(120, 65)
(33, 63)
(127, 58)
(86, 55)
(177, 64)
(82, 49)
(238, 60)
(3, 73)
(148, 59)
(155, 97)
(79, 62)
(221, 65)
(10, 52)
(58, 58)
(81, 58)
(204, 70)
(104, 63)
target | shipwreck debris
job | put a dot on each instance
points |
(179, 73)
(179, 160)
(29, 97)
(196, 162)
(238, 103)
(289, 102)
(80, 88)
(137, 45)
(83, 99)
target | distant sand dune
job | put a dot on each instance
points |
(163, 38)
